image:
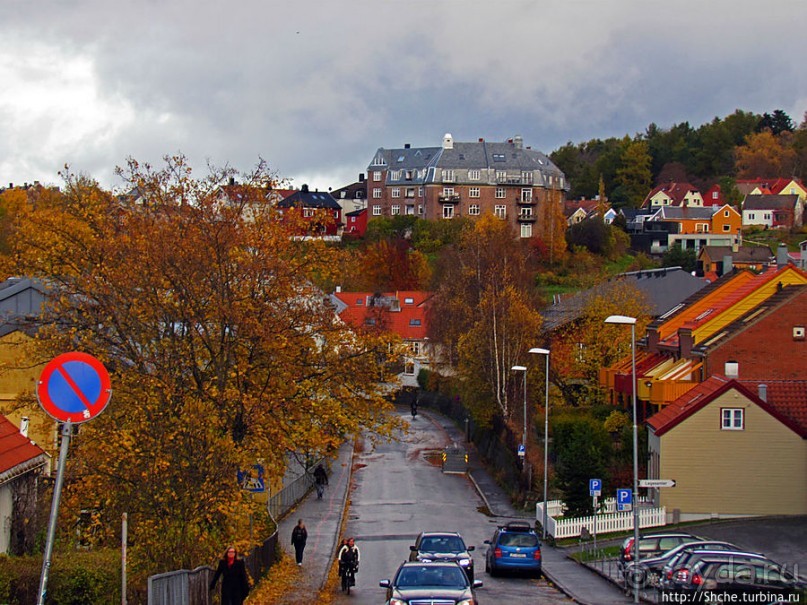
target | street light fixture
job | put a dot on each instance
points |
(524, 434)
(626, 320)
(539, 351)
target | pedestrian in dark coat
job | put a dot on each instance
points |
(234, 580)
(298, 537)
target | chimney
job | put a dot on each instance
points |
(481, 140)
(728, 263)
(304, 188)
(407, 145)
(338, 288)
(732, 369)
(763, 392)
(24, 422)
(652, 340)
(781, 255)
(361, 177)
(518, 142)
(685, 341)
(448, 141)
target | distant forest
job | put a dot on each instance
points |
(742, 145)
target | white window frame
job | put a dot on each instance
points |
(473, 210)
(376, 210)
(376, 175)
(732, 419)
(376, 193)
(526, 195)
(396, 192)
(501, 193)
(395, 210)
(395, 175)
(525, 212)
(526, 177)
(448, 191)
(410, 192)
(500, 210)
(448, 211)
(474, 175)
(473, 191)
(526, 230)
(501, 176)
(448, 176)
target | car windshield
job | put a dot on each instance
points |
(442, 544)
(519, 540)
(411, 577)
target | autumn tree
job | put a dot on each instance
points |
(483, 314)
(765, 155)
(633, 177)
(388, 264)
(221, 349)
(583, 346)
(552, 225)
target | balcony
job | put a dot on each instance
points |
(449, 198)
(525, 218)
(529, 202)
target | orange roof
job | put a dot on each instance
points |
(17, 452)
(788, 396)
(698, 397)
(407, 319)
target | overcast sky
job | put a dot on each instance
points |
(315, 87)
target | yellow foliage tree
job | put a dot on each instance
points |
(222, 350)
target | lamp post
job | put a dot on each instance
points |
(524, 434)
(631, 321)
(539, 351)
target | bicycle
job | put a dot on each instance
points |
(348, 575)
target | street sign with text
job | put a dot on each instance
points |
(656, 482)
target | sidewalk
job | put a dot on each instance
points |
(323, 520)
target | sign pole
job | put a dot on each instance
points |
(67, 429)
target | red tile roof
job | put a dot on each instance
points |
(409, 322)
(790, 410)
(17, 452)
(788, 397)
(674, 190)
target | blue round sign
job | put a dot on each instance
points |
(74, 387)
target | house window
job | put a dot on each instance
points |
(501, 176)
(726, 213)
(526, 195)
(414, 322)
(701, 227)
(395, 175)
(414, 346)
(409, 300)
(732, 419)
(714, 195)
(726, 228)
(420, 191)
(369, 321)
(525, 212)
(500, 211)
(526, 230)
(410, 192)
(376, 210)
(473, 175)
(526, 177)
(396, 192)
(396, 209)
(408, 175)
(448, 176)
(473, 192)
(410, 209)
(448, 211)
(448, 191)
(308, 212)
(409, 368)
(377, 193)
(376, 175)
(500, 193)
(473, 210)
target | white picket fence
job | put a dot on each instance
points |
(606, 522)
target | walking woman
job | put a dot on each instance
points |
(298, 537)
(234, 581)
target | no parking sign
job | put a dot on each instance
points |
(74, 387)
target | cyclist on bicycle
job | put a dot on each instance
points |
(348, 563)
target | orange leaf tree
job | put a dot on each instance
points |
(223, 350)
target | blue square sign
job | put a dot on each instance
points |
(624, 499)
(595, 487)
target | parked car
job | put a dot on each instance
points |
(679, 575)
(647, 572)
(513, 547)
(443, 546)
(727, 577)
(653, 545)
(432, 582)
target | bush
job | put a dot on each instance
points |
(76, 578)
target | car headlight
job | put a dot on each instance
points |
(399, 602)
(465, 562)
(424, 560)
(467, 602)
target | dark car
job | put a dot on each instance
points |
(653, 545)
(727, 577)
(647, 572)
(678, 575)
(443, 546)
(436, 582)
(513, 547)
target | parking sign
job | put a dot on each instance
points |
(595, 487)
(624, 499)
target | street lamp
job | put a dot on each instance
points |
(524, 434)
(631, 321)
(539, 351)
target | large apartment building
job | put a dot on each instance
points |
(464, 179)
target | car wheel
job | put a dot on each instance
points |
(487, 566)
(493, 571)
